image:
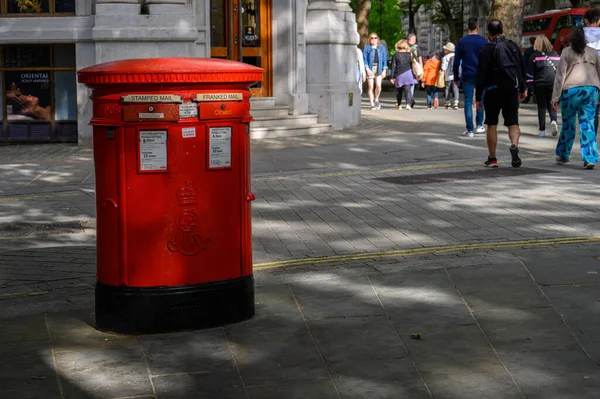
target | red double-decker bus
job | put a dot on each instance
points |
(554, 24)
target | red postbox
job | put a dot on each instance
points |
(172, 164)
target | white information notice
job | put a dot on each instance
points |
(153, 149)
(188, 132)
(219, 152)
(188, 110)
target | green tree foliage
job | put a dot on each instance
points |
(391, 20)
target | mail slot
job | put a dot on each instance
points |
(172, 165)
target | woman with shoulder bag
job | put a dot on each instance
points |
(576, 86)
(402, 75)
(541, 70)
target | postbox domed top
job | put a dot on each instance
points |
(166, 70)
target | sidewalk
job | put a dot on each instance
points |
(388, 263)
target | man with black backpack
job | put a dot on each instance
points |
(501, 75)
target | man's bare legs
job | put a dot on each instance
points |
(492, 139)
(514, 133)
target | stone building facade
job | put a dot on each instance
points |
(307, 48)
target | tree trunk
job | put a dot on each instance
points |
(576, 3)
(412, 11)
(363, 8)
(454, 24)
(510, 12)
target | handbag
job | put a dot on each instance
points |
(440, 82)
(416, 68)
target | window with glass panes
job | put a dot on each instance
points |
(39, 86)
(31, 8)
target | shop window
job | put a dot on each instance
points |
(37, 7)
(40, 92)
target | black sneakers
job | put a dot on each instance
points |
(491, 162)
(514, 153)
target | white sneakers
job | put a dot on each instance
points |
(480, 129)
(554, 128)
(541, 133)
(468, 134)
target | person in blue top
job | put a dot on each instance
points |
(466, 57)
(375, 57)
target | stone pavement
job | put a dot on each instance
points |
(388, 264)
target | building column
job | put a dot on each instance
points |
(343, 5)
(168, 7)
(331, 64)
(118, 7)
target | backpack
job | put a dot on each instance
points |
(510, 67)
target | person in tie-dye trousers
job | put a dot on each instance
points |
(576, 86)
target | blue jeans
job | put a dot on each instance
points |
(578, 102)
(469, 91)
(431, 90)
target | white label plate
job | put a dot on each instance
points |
(219, 97)
(188, 110)
(188, 132)
(152, 98)
(219, 151)
(158, 115)
(153, 149)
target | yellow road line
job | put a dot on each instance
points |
(28, 197)
(423, 251)
(370, 171)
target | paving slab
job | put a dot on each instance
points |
(418, 301)
(189, 352)
(206, 385)
(563, 374)
(463, 348)
(357, 339)
(498, 286)
(280, 359)
(473, 385)
(322, 389)
(579, 306)
(397, 378)
(564, 270)
(75, 332)
(534, 329)
(346, 297)
(103, 373)
(27, 370)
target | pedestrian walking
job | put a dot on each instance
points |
(417, 55)
(591, 19)
(576, 86)
(402, 75)
(501, 73)
(446, 67)
(431, 69)
(541, 70)
(375, 59)
(526, 56)
(466, 58)
(361, 73)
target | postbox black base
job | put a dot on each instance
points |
(132, 310)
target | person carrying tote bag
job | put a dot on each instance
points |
(402, 75)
